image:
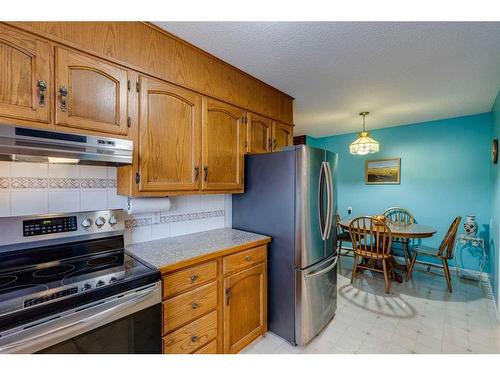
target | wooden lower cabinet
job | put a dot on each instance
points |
(217, 305)
(210, 348)
(245, 315)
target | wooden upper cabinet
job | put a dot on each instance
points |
(259, 134)
(244, 307)
(282, 135)
(169, 137)
(223, 137)
(91, 93)
(25, 76)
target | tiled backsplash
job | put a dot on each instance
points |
(37, 188)
(187, 214)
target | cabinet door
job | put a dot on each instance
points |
(169, 137)
(223, 137)
(91, 93)
(282, 135)
(245, 307)
(24, 79)
(259, 131)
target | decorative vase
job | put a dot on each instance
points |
(470, 226)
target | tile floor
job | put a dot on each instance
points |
(417, 317)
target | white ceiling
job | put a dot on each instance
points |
(401, 72)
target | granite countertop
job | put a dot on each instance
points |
(167, 252)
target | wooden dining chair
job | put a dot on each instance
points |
(342, 237)
(371, 240)
(444, 252)
(401, 217)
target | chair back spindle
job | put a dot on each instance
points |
(370, 237)
(399, 216)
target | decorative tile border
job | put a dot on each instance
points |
(4, 182)
(134, 222)
(93, 183)
(28, 183)
(56, 183)
(64, 183)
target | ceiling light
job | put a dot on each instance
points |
(364, 144)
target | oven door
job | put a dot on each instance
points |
(126, 323)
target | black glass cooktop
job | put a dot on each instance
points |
(34, 282)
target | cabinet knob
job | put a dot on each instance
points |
(194, 305)
(248, 258)
(42, 87)
(63, 92)
(194, 338)
(196, 173)
(205, 168)
(194, 278)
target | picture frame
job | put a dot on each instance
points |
(383, 171)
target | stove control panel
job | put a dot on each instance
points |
(51, 225)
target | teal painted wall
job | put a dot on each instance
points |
(495, 203)
(445, 172)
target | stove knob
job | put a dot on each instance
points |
(99, 283)
(112, 220)
(100, 221)
(86, 287)
(113, 280)
(86, 223)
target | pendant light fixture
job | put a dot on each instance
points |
(364, 144)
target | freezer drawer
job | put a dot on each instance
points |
(316, 299)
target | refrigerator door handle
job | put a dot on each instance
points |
(326, 270)
(329, 215)
(322, 220)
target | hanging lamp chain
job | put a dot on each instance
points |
(364, 114)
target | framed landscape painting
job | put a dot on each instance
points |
(384, 171)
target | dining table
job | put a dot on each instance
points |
(399, 231)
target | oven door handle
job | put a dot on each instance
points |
(127, 300)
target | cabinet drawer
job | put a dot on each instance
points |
(210, 348)
(188, 278)
(188, 306)
(192, 336)
(244, 259)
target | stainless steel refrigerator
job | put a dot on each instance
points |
(291, 196)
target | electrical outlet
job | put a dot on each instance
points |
(349, 210)
(156, 218)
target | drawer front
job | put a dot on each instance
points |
(188, 306)
(192, 336)
(188, 278)
(210, 348)
(244, 259)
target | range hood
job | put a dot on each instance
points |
(35, 145)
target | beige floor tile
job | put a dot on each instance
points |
(420, 316)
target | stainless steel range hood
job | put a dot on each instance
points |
(35, 145)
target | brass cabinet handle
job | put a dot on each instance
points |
(274, 144)
(248, 258)
(42, 87)
(63, 92)
(270, 144)
(193, 278)
(194, 305)
(194, 338)
(228, 296)
(205, 168)
(196, 173)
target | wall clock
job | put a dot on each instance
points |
(494, 151)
